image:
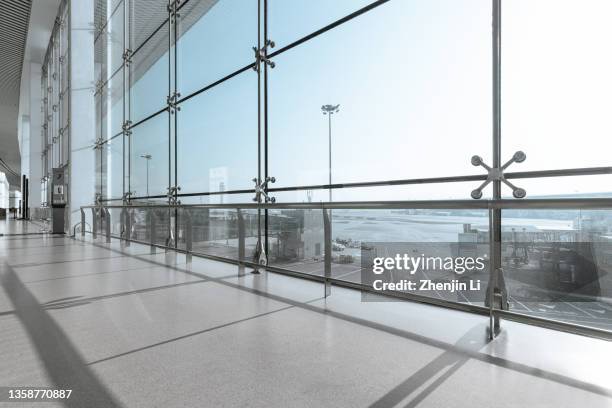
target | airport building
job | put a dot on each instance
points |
(305, 203)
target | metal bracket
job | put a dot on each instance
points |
(173, 6)
(260, 190)
(172, 102)
(127, 57)
(126, 126)
(497, 174)
(127, 197)
(261, 55)
(98, 143)
(172, 191)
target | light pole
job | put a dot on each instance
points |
(329, 110)
(148, 157)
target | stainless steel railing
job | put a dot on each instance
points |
(101, 220)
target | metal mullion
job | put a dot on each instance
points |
(258, 182)
(127, 138)
(169, 94)
(556, 204)
(206, 193)
(494, 214)
(582, 171)
(328, 27)
(176, 113)
(433, 180)
(102, 122)
(124, 93)
(265, 85)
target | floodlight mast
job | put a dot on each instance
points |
(329, 110)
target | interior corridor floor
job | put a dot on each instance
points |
(126, 328)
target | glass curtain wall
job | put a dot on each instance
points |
(367, 101)
(55, 95)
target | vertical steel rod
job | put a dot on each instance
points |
(128, 226)
(328, 251)
(82, 222)
(123, 91)
(94, 223)
(265, 110)
(107, 224)
(152, 228)
(188, 235)
(241, 242)
(495, 214)
(258, 66)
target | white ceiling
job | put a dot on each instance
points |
(42, 18)
(14, 21)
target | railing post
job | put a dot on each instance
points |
(241, 243)
(122, 227)
(82, 222)
(94, 222)
(107, 224)
(328, 251)
(171, 239)
(188, 235)
(496, 296)
(152, 223)
(128, 226)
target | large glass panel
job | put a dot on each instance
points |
(296, 242)
(217, 137)
(114, 38)
(216, 231)
(417, 105)
(292, 20)
(141, 222)
(113, 157)
(216, 40)
(557, 264)
(147, 19)
(556, 82)
(149, 77)
(113, 109)
(149, 161)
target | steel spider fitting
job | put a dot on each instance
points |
(261, 55)
(497, 174)
(260, 190)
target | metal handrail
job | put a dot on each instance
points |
(494, 313)
(504, 204)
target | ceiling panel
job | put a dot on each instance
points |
(14, 20)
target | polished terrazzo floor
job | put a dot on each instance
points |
(123, 327)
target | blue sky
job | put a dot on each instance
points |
(413, 79)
